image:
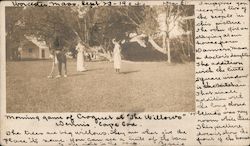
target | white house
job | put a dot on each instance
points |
(31, 48)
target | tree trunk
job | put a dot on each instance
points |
(183, 49)
(164, 36)
(188, 42)
(85, 31)
(188, 46)
(168, 45)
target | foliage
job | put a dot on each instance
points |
(94, 26)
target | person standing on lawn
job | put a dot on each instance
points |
(62, 62)
(80, 66)
(61, 57)
(117, 56)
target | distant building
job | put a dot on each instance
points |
(31, 48)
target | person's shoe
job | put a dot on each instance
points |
(58, 76)
(65, 76)
(49, 77)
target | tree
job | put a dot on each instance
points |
(46, 23)
(14, 31)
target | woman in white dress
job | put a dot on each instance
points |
(117, 56)
(80, 58)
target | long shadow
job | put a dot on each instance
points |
(129, 72)
(93, 69)
(84, 72)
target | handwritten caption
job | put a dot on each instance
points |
(87, 129)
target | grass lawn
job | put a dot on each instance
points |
(140, 87)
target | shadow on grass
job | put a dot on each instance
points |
(129, 72)
(84, 72)
(94, 69)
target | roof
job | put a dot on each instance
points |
(40, 44)
(25, 42)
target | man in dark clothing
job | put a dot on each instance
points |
(61, 57)
(62, 62)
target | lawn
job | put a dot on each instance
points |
(140, 87)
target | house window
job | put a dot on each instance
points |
(30, 50)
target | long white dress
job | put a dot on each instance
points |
(117, 56)
(80, 59)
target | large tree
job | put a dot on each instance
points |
(14, 31)
(171, 16)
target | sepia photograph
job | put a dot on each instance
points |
(100, 59)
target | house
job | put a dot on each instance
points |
(31, 48)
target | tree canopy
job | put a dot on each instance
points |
(94, 26)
